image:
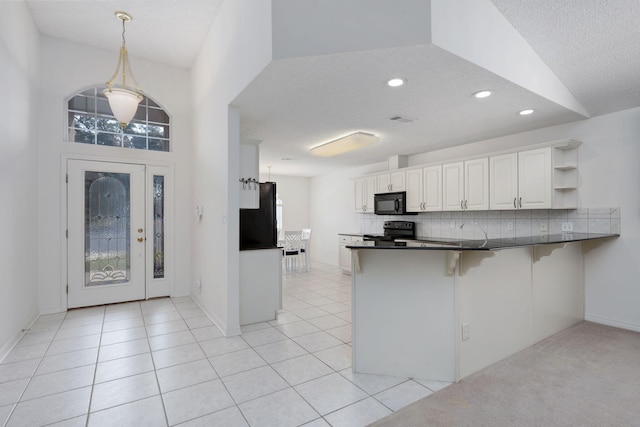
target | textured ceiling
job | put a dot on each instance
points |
(592, 46)
(167, 31)
(297, 104)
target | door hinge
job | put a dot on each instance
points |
(67, 233)
(67, 288)
(66, 178)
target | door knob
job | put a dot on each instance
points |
(140, 239)
(140, 230)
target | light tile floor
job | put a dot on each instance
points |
(162, 362)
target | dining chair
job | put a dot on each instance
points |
(292, 249)
(306, 248)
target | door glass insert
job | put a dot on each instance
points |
(158, 226)
(107, 228)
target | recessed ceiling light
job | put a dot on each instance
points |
(526, 112)
(395, 82)
(482, 94)
(286, 158)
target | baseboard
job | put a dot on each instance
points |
(612, 322)
(6, 349)
(227, 332)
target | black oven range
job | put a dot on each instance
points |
(393, 230)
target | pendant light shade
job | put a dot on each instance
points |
(123, 103)
(124, 97)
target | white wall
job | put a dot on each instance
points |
(609, 177)
(294, 193)
(67, 68)
(236, 49)
(19, 48)
(331, 210)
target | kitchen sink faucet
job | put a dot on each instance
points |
(486, 238)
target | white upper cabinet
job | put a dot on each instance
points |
(453, 186)
(424, 189)
(465, 185)
(389, 182)
(249, 187)
(543, 178)
(521, 180)
(364, 190)
(534, 179)
(503, 182)
(476, 184)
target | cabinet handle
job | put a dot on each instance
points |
(520, 202)
(514, 204)
(390, 187)
(466, 205)
(462, 204)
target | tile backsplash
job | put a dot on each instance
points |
(502, 224)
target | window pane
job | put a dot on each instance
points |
(88, 112)
(81, 136)
(107, 228)
(158, 226)
(108, 139)
(159, 116)
(136, 128)
(158, 144)
(141, 112)
(108, 125)
(82, 103)
(159, 131)
(82, 121)
(102, 107)
(138, 142)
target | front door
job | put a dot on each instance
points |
(106, 233)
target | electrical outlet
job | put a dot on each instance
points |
(567, 226)
(465, 331)
(543, 226)
(198, 285)
(510, 226)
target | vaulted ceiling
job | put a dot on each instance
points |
(590, 47)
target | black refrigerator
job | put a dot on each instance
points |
(258, 226)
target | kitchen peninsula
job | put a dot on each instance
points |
(442, 309)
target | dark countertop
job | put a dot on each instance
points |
(433, 243)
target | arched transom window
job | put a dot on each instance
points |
(90, 121)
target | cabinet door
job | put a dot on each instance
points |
(397, 180)
(452, 186)
(432, 184)
(534, 179)
(383, 183)
(369, 186)
(344, 254)
(476, 184)
(415, 190)
(359, 195)
(503, 182)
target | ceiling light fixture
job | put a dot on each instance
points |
(345, 144)
(526, 112)
(482, 94)
(396, 82)
(124, 98)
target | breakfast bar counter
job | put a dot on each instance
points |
(441, 310)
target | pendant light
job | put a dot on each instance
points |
(125, 97)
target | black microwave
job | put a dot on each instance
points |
(390, 203)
